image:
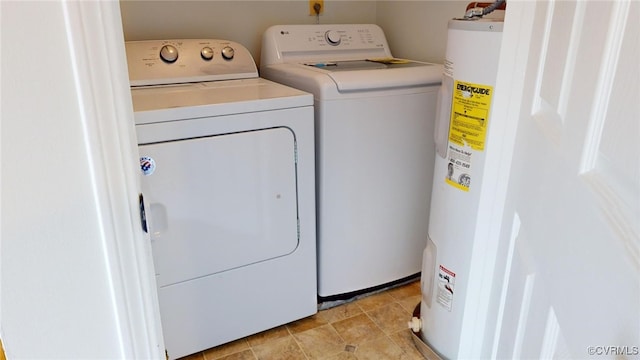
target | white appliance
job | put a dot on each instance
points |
(227, 163)
(374, 149)
(462, 140)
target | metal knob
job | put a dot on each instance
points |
(169, 53)
(228, 52)
(206, 53)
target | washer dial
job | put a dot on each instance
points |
(332, 37)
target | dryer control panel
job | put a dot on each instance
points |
(158, 62)
(298, 43)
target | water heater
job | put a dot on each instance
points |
(462, 141)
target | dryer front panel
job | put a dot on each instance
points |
(220, 202)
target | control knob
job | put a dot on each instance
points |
(227, 52)
(169, 53)
(332, 37)
(206, 53)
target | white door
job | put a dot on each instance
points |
(572, 213)
(76, 281)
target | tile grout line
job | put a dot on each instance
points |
(297, 343)
(395, 300)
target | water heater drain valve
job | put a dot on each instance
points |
(415, 324)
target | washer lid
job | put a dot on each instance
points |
(369, 64)
(375, 74)
(155, 104)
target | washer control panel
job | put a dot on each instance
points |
(292, 43)
(333, 37)
(158, 62)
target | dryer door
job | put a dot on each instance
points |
(220, 202)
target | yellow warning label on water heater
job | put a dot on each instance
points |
(470, 114)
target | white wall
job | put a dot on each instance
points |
(414, 29)
(240, 21)
(76, 275)
(418, 29)
(56, 288)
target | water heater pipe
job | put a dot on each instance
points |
(476, 9)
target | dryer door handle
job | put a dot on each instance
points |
(143, 214)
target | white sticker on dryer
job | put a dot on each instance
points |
(147, 165)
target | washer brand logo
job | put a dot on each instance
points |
(473, 89)
(147, 165)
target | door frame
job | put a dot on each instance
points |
(95, 34)
(480, 325)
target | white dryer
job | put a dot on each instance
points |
(374, 149)
(227, 163)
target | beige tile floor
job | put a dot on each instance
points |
(374, 327)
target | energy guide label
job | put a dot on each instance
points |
(470, 114)
(470, 107)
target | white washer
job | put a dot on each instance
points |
(227, 160)
(374, 149)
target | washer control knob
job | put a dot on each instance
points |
(206, 53)
(227, 52)
(169, 53)
(332, 37)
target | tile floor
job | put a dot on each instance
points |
(374, 327)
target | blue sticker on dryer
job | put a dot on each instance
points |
(147, 165)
